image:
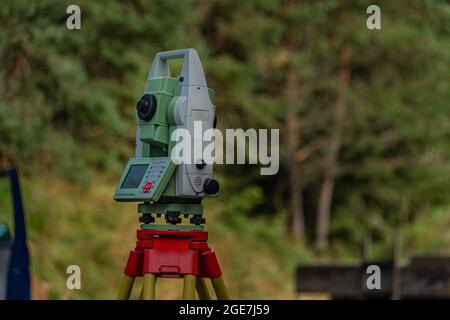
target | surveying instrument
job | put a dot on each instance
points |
(171, 241)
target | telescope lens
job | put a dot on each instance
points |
(146, 107)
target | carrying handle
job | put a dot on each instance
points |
(191, 70)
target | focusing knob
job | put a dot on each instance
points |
(146, 107)
(211, 186)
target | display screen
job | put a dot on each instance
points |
(134, 176)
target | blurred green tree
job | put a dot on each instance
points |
(363, 113)
(67, 96)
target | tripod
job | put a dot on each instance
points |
(168, 188)
(173, 254)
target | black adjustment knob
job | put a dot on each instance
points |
(200, 164)
(173, 217)
(211, 186)
(146, 218)
(146, 107)
(197, 220)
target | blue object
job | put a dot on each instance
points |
(18, 286)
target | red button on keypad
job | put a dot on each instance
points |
(147, 187)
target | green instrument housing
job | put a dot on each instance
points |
(144, 179)
(152, 177)
(157, 145)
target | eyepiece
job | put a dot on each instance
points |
(146, 107)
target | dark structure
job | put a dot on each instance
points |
(422, 277)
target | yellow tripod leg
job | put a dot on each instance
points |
(202, 289)
(219, 288)
(141, 294)
(125, 287)
(189, 287)
(148, 290)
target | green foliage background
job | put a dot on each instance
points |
(67, 114)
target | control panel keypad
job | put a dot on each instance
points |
(154, 174)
